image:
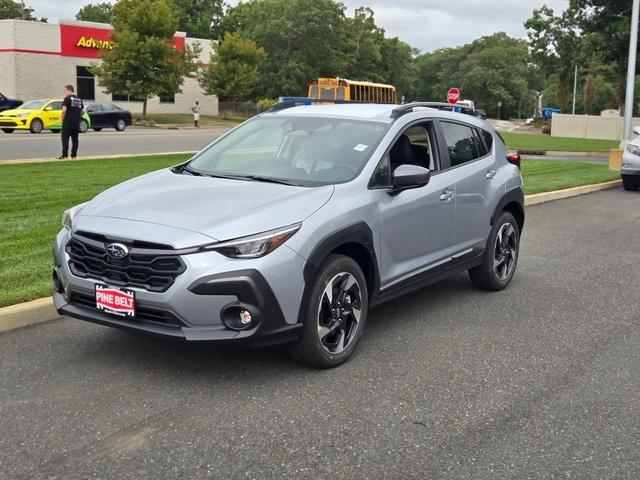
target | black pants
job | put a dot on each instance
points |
(70, 132)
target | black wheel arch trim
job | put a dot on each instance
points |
(512, 196)
(358, 233)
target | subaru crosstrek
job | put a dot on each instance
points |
(290, 227)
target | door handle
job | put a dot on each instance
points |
(446, 195)
(490, 174)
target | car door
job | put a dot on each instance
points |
(475, 181)
(96, 115)
(52, 114)
(416, 225)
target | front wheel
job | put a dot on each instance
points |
(8, 130)
(631, 182)
(335, 316)
(500, 257)
(84, 126)
(36, 126)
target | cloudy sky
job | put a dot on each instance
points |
(424, 24)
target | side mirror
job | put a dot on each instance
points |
(409, 176)
(636, 130)
(48, 109)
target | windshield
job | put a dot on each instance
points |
(33, 105)
(304, 151)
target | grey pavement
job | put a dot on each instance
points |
(24, 145)
(538, 381)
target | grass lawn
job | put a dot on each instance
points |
(187, 119)
(533, 141)
(33, 197)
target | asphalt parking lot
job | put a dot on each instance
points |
(134, 140)
(538, 381)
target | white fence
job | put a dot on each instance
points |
(588, 126)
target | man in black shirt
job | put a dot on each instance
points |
(72, 110)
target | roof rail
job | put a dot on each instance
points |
(289, 102)
(408, 107)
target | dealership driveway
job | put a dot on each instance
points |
(24, 145)
(538, 381)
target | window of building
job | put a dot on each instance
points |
(461, 143)
(86, 83)
(119, 97)
(170, 98)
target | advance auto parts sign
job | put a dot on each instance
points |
(77, 41)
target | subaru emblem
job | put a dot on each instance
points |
(117, 250)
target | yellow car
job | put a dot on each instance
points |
(38, 115)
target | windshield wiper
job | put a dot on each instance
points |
(185, 168)
(259, 178)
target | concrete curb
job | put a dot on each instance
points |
(29, 313)
(42, 310)
(538, 198)
(45, 160)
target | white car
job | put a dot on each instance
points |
(630, 169)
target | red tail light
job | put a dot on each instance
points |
(514, 157)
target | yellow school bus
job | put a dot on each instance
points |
(343, 89)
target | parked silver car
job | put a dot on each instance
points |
(630, 169)
(290, 227)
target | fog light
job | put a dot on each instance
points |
(245, 317)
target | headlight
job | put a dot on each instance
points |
(22, 115)
(254, 246)
(67, 216)
(634, 149)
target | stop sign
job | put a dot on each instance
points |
(453, 95)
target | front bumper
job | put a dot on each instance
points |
(213, 287)
(630, 164)
(13, 122)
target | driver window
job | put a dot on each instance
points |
(413, 147)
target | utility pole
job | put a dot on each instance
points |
(631, 73)
(575, 86)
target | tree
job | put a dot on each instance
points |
(10, 9)
(233, 71)
(143, 62)
(492, 69)
(199, 18)
(96, 12)
(303, 39)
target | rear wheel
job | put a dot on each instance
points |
(631, 182)
(120, 125)
(36, 126)
(84, 126)
(500, 257)
(335, 316)
(8, 130)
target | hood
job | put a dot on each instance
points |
(219, 208)
(15, 111)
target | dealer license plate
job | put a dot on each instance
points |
(116, 301)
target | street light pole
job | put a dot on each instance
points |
(575, 85)
(631, 72)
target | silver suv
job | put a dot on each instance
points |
(290, 227)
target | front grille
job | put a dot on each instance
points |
(8, 123)
(142, 313)
(150, 266)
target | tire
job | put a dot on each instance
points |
(329, 336)
(631, 182)
(8, 130)
(36, 126)
(97, 129)
(120, 125)
(55, 130)
(500, 257)
(84, 126)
